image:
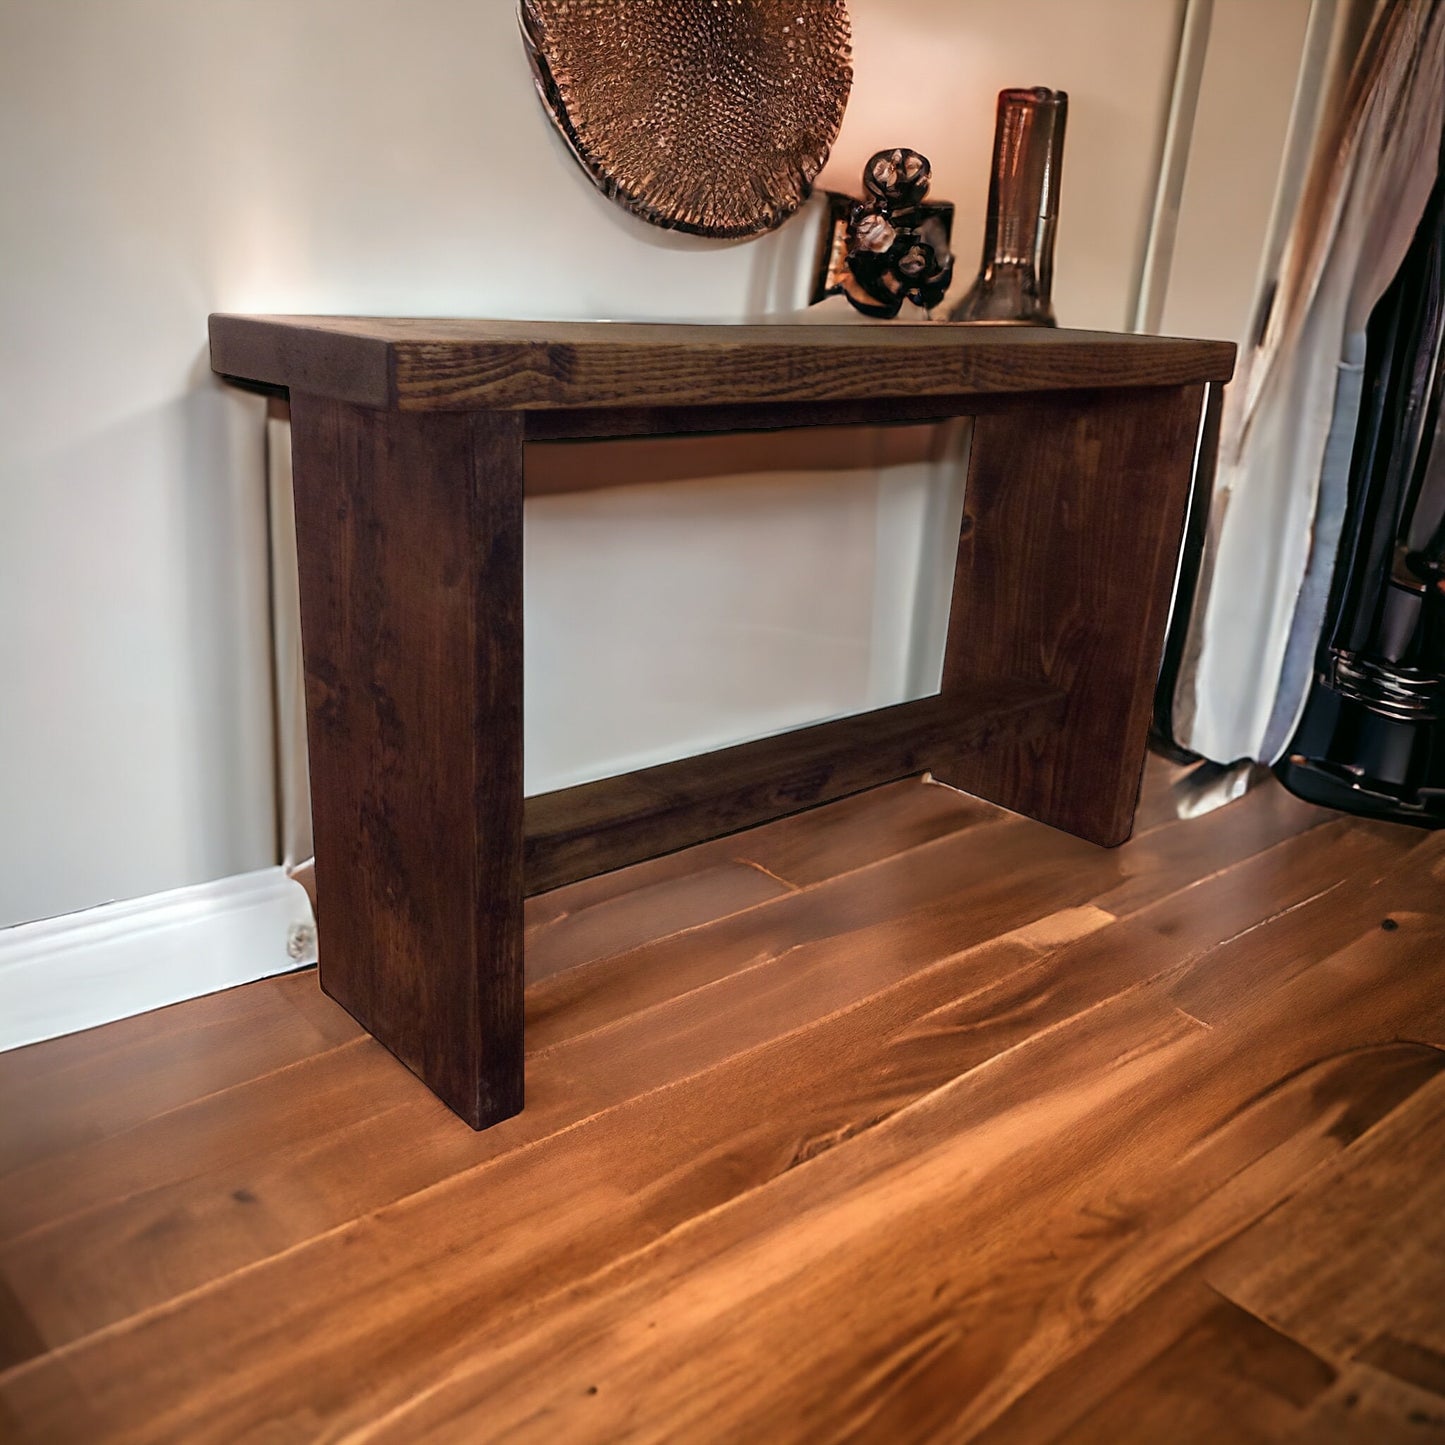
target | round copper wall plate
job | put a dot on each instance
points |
(709, 116)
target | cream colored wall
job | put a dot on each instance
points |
(160, 159)
(1245, 93)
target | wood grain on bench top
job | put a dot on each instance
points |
(448, 365)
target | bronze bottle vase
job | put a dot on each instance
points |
(1015, 280)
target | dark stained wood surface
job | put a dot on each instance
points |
(581, 831)
(412, 624)
(410, 534)
(574, 466)
(903, 1119)
(602, 423)
(1066, 563)
(442, 365)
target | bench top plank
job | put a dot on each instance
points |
(458, 365)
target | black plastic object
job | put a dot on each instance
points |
(1372, 736)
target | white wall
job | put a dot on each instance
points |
(1245, 93)
(163, 158)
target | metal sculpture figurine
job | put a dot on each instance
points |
(892, 246)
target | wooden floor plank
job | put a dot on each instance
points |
(841, 1079)
(904, 1387)
(862, 830)
(1399, 899)
(800, 849)
(1148, 1366)
(829, 1242)
(260, 1188)
(86, 1088)
(897, 1131)
(1359, 1256)
(435, 1297)
(96, 1084)
(1122, 1352)
(592, 930)
(962, 887)
(936, 1379)
(599, 917)
(66, 1093)
(1193, 848)
(19, 1338)
(1296, 1125)
(1228, 1377)
(54, 1189)
(1370, 1407)
(89, 1086)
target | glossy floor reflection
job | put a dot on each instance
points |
(906, 1119)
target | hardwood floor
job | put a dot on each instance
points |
(905, 1119)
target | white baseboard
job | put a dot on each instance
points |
(63, 974)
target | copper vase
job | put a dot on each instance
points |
(1016, 277)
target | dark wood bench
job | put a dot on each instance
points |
(409, 444)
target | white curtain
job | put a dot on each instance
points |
(1290, 413)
